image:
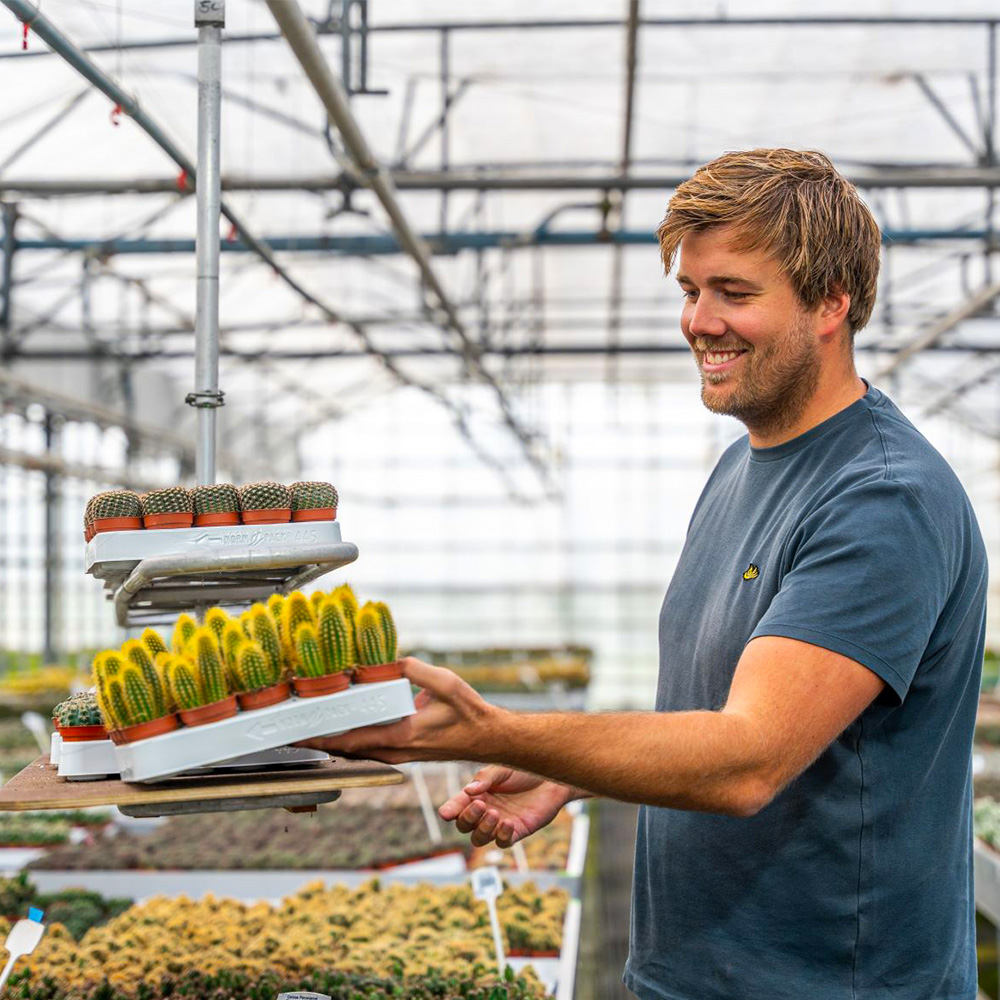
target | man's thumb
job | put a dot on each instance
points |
(486, 779)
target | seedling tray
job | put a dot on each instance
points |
(262, 729)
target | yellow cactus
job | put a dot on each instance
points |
(184, 630)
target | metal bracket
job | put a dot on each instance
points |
(207, 400)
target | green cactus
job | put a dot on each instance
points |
(211, 673)
(316, 598)
(294, 612)
(308, 661)
(265, 495)
(136, 652)
(220, 498)
(138, 697)
(80, 710)
(313, 495)
(115, 503)
(216, 619)
(183, 683)
(264, 632)
(388, 630)
(336, 642)
(344, 596)
(153, 641)
(245, 619)
(116, 703)
(276, 605)
(161, 662)
(184, 630)
(254, 669)
(171, 500)
(371, 644)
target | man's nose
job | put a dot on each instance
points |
(704, 319)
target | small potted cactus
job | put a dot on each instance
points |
(265, 503)
(132, 694)
(375, 636)
(258, 680)
(313, 501)
(171, 507)
(218, 504)
(115, 510)
(198, 681)
(323, 652)
(78, 719)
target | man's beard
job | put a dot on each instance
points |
(775, 385)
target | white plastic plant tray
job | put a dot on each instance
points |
(93, 759)
(264, 728)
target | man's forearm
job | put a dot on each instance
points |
(709, 761)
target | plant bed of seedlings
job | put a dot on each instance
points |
(76, 910)
(382, 931)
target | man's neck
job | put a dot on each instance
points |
(833, 394)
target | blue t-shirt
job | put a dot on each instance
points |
(855, 883)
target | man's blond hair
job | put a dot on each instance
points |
(793, 206)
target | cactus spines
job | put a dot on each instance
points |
(216, 619)
(184, 630)
(253, 669)
(233, 637)
(316, 598)
(295, 611)
(310, 495)
(345, 595)
(161, 662)
(219, 498)
(171, 500)
(308, 661)
(183, 683)
(276, 605)
(336, 642)
(371, 644)
(138, 698)
(265, 495)
(116, 703)
(245, 619)
(153, 641)
(388, 630)
(211, 673)
(138, 655)
(265, 634)
(79, 710)
(114, 503)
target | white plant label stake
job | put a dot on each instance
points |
(487, 886)
(22, 940)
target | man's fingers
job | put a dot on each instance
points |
(438, 680)
(470, 816)
(483, 833)
(505, 834)
(454, 806)
(487, 778)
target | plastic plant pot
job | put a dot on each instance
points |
(264, 696)
(173, 519)
(315, 514)
(375, 672)
(100, 524)
(313, 687)
(268, 515)
(221, 517)
(215, 712)
(79, 734)
(144, 730)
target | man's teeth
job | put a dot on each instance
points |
(721, 357)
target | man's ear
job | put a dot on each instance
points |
(833, 312)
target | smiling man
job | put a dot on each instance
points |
(805, 779)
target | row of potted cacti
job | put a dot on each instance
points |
(220, 504)
(316, 645)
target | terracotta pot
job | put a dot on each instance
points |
(264, 696)
(174, 519)
(313, 687)
(88, 532)
(215, 712)
(375, 672)
(144, 730)
(315, 514)
(79, 734)
(100, 524)
(271, 515)
(115, 735)
(223, 517)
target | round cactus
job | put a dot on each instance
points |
(183, 683)
(211, 673)
(171, 500)
(336, 642)
(265, 634)
(265, 495)
(371, 645)
(388, 630)
(308, 661)
(115, 503)
(220, 498)
(80, 710)
(138, 655)
(313, 495)
(254, 669)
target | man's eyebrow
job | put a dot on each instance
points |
(723, 279)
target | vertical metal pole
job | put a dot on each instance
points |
(52, 547)
(9, 221)
(209, 17)
(445, 102)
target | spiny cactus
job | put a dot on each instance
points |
(171, 500)
(115, 503)
(264, 632)
(184, 630)
(336, 641)
(316, 598)
(118, 710)
(153, 641)
(309, 495)
(253, 669)
(245, 619)
(388, 630)
(182, 680)
(137, 653)
(219, 498)
(80, 710)
(308, 661)
(211, 673)
(294, 612)
(162, 664)
(370, 641)
(138, 697)
(344, 596)
(265, 495)
(216, 619)
(276, 605)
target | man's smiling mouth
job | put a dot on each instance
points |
(721, 357)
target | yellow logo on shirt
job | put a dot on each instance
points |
(752, 572)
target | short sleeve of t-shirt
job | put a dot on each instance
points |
(868, 578)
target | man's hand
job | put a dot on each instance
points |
(505, 805)
(452, 723)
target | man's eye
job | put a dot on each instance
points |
(737, 296)
(690, 293)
